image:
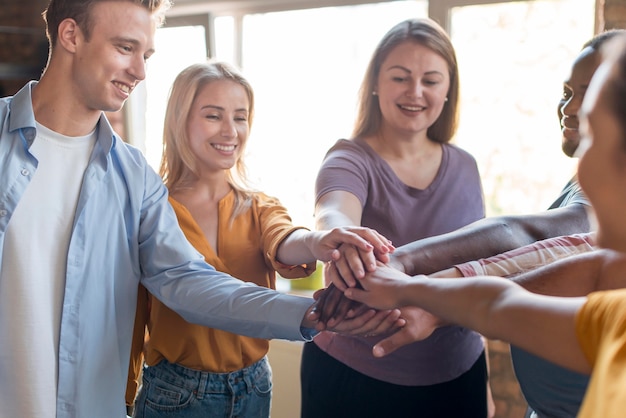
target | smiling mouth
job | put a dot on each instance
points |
(225, 148)
(412, 108)
(123, 87)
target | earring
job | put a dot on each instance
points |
(374, 93)
(446, 99)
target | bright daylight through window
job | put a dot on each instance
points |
(305, 66)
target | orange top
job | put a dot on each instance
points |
(601, 330)
(247, 250)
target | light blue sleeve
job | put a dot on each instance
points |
(174, 272)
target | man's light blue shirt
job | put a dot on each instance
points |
(124, 232)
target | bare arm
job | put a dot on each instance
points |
(337, 208)
(496, 308)
(577, 275)
(488, 237)
(524, 259)
(340, 209)
(303, 246)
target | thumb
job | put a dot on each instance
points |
(393, 342)
(356, 294)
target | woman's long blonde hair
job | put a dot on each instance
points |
(178, 164)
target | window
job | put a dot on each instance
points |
(306, 66)
(177, 48)
(513, 58)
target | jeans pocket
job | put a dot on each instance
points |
(263, 380)
(164, 396)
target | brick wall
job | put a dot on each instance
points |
(506, 393)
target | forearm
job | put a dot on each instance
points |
(295, 248)
(529, 257)
(452, 300)
(577, 275)
(488, 237)
(480, 239)
(326, 219)
(499, 309)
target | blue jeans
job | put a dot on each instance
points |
(174, 391)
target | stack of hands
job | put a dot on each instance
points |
(334, 311)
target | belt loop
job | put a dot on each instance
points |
(248, 378)
(202, 385)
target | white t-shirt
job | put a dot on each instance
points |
(32, 274)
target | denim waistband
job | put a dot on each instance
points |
(207, 382)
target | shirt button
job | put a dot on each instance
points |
(3, 213)
(25, 172)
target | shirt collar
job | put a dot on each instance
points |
(22, 116)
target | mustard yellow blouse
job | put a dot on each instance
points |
(601, 331)
(246, 249)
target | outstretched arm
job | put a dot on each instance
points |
(577, 275)
(488, 237)
(499, 309)
(362, 320)
(303, 246)
(340, 209)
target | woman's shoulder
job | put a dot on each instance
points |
(352, 151)
(457, 154)
(261, 199)
(457, 150)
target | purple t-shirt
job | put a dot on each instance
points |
(405, 214)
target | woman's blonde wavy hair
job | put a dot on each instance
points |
(178, 164)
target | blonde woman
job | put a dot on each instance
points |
(193, 370)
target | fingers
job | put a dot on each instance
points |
(365, 240)
(346, 309)
(391, 322)
(351, 266)
(370, 323)
(393, 342)
(348, 236)
(353, 251)
(367, 260)
(382, 257)
(347, 325)
(358, 295)
(329, 303)
(319, 294)
(341, 274)
(378, 241)
(419, 326)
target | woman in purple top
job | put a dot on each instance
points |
(399, 175)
